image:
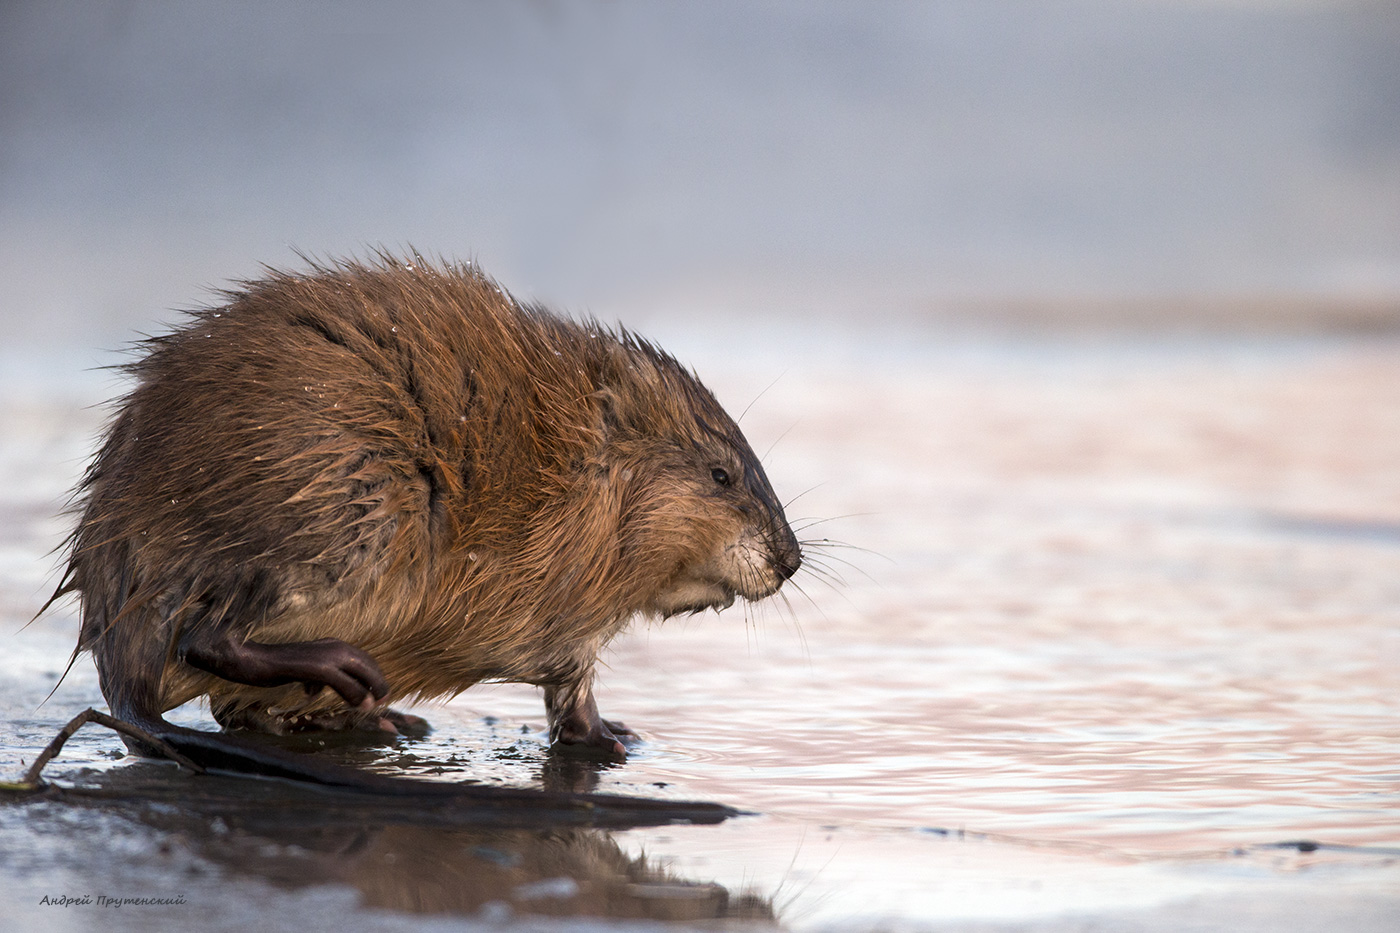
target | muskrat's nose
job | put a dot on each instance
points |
(784, 551)
(786, 567)
(786, 561)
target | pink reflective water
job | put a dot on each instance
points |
(1146, 597)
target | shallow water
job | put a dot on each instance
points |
(1111, 627)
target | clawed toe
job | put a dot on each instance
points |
(623, 734)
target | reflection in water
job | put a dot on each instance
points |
(408, 858)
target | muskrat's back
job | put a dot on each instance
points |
(377, 482)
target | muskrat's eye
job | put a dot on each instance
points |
(720, 475)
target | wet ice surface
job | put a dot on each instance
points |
(1120, 618)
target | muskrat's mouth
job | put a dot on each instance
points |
(726, 601)
(697, 596)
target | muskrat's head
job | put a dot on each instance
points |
(704, 525)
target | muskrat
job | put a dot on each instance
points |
(382, 481)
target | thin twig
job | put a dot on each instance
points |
(32, 778)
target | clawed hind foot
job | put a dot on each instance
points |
(378, 720)
(324, 663)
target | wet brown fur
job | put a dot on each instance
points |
(402, 456)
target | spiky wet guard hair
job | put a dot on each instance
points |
(397, 454)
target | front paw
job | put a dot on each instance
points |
(598, 739)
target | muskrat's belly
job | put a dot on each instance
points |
(422, 655)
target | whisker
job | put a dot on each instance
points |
(814, 604)
(813, 522)
(844, 545)
(775, 443)
(831, 558)
(837, 589)
(788, 504)
(796, 627)
(831, 544)
(740, 419)
(834, 544)
(828, 563)
(822, 549)
(807, 524)
(827, 575)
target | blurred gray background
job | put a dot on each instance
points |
(800, 160)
